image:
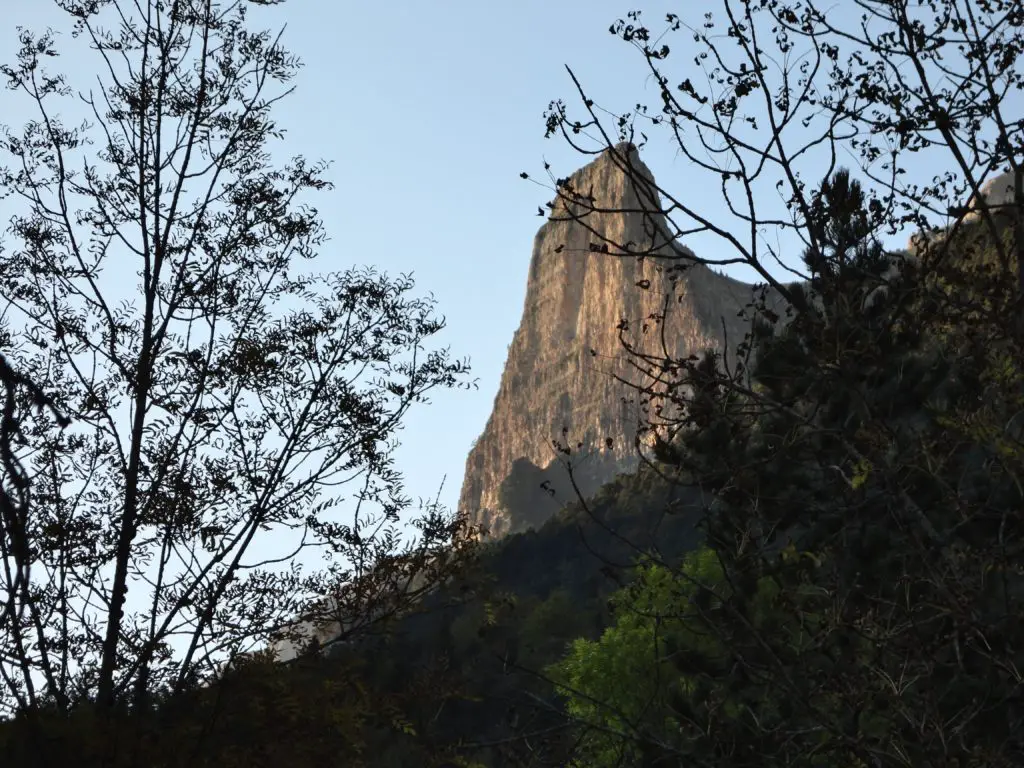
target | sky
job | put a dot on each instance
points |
(429, 110)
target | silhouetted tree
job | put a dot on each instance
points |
(863, 456)
(218, 402)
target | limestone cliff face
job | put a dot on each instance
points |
(997, 191)
(575, 301)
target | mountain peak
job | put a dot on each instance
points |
(563, 379)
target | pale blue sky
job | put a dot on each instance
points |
(429, 110)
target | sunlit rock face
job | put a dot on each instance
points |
(322, 633)
(385, 591)
(575, 301)
(996, 194)
(997, 191)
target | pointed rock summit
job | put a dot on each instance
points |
(553, 386)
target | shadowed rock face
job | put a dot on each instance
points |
(575, 300)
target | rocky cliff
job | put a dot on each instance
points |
(554, 387)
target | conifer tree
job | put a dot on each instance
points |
(863, 457)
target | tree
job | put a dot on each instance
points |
(214, 410)
(622, 721)
(862, 455)
(666, 641)
(864, 499)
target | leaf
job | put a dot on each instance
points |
(861, 473)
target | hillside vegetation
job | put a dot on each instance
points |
(828, 580)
